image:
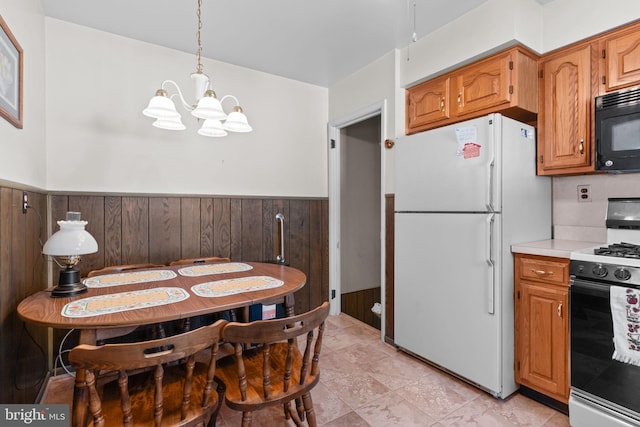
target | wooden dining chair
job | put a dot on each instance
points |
(112, 269)
(277, 371)
(205, 260)
(177, 390)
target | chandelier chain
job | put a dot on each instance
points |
(199, 52)
(207, 106)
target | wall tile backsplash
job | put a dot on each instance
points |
(585, 220)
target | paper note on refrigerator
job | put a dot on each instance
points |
(467, 138)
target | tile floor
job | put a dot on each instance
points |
(365, 382)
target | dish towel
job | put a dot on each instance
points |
(625, 311)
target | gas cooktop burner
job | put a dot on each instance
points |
(621, 250)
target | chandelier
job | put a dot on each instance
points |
(207, 106)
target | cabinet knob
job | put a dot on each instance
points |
(442, 104)
(560, 310)
(459, 99)
(542, 272)
(581, 146)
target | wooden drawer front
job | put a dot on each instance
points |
(548, 271)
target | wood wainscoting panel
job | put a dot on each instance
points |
(135, 230)
(148, 229)
(358, 305)
(190, 238)
(221, 236)
(299, 256)
(23, 362)
(112, 248)
(165, 229)
(389, 267)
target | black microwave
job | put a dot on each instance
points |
(617, 123)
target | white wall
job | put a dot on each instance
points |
(487, 28)
(99, 141)
(368, 86)
(567, 21)
(22, 151)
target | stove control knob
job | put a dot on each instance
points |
(599, 270)
(622, 274)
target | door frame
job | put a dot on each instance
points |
(333, 146)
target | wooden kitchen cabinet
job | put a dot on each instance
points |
(542, 325)
(620, 52)
(500, 82)
(428, 103)
(505, 82)
(565, 142)
(570, 79)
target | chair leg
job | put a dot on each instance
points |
(186, 325)
(308, 409)
(246, 419)
(158, 331)
(221, 389)
(292, 414)
(300, 408)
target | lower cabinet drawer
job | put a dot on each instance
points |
(548, 271)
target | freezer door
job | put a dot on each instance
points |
(447, 296)
(452, 168)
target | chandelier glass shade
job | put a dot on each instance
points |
(207, 107)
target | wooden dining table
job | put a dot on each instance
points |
(116, 304)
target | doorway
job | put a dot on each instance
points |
(356, 215)
(360, 220)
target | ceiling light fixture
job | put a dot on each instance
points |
(207, 106)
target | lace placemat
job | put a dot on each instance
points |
(216, 268)
(221, 288)
(128, 278)
(123, 301)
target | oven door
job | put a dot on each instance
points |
(594, 373)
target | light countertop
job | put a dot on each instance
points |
(553, 247)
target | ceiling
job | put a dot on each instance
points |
(314, 41)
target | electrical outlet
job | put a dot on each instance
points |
(25, 202)
(584, 193)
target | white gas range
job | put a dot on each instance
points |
(605, 391)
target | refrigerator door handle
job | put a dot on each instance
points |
(491, 265)
(490, 170)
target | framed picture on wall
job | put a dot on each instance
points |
(10, 76)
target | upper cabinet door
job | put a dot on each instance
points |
(564, 116)
(505, 83)
(483, 85)
(428, 102)
(621, 60)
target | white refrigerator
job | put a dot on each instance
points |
(464, 194)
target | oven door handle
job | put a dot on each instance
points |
(588, 287)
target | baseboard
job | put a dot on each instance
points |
(544, 399)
